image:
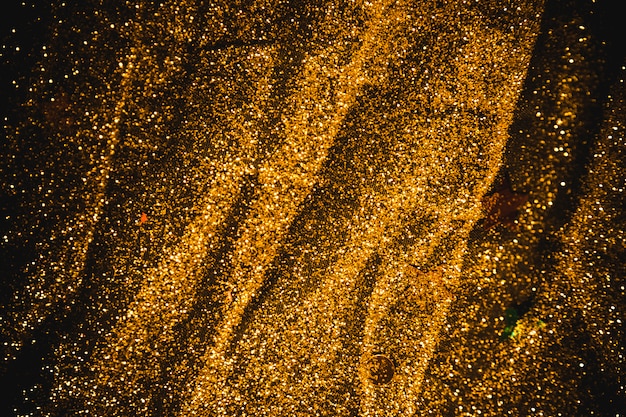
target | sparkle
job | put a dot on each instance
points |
(328, 225)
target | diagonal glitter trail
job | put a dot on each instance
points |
(59, 274)
(325, 94)
(136, 345)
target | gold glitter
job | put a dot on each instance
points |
(325, 208)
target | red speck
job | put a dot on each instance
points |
(143, 219)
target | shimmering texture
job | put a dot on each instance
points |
(328, 208)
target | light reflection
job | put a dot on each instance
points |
(231, 209)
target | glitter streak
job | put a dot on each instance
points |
(313, 208)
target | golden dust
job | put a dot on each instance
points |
(269, 209)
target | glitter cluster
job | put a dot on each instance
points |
(324, 208)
